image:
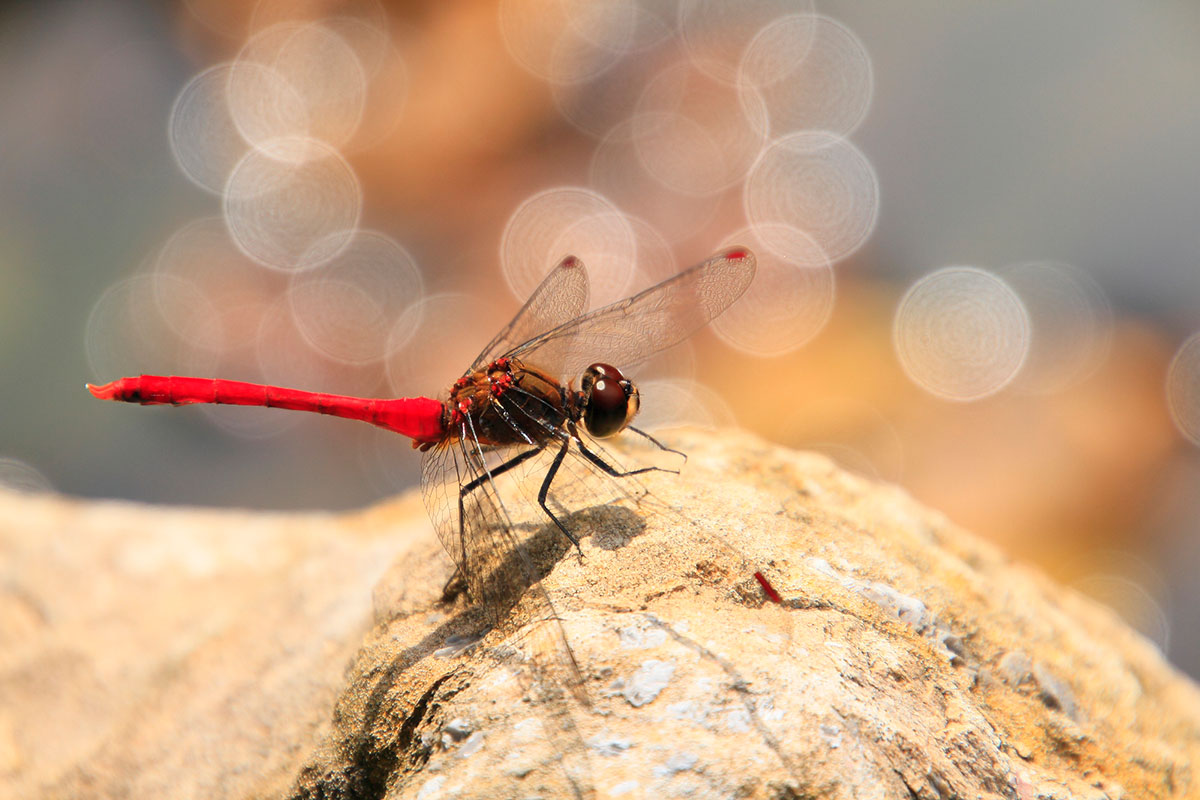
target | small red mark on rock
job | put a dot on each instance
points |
(767, 587)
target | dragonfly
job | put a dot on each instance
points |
(517, 407)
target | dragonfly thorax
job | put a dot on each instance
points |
(507, 402)
(609, 401)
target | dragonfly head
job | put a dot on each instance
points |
(610, 402)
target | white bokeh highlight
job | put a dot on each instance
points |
(1071, 324)
(695, 134)
(817, 182)
(285, 358)
(201, 255)
(961, 333)
(569, 221)
(18, 476)
(203, 136)
(267, 13)
(1183, 388)
(791, 298)
(1135, 597)
(292, 203)
(264, 105)
(618, 173)
(128, 332)
(716, 32)
(811, 72)
(566, 41)
(322, 83)
(346, 308)
(439, 342)
(676, 402)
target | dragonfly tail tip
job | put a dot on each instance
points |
(106, 392)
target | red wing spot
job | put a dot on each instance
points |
(736, 254)
(570, 261)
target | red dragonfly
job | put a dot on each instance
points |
(512, 410)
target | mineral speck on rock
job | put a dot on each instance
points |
(455, 731)
(680, 762)
(1054, 692)
(1015, 668)
(646, 684)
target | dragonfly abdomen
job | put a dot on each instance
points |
(419, 418)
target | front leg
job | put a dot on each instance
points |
(609, 469)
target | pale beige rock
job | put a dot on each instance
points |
(150, 652)
(176, 653)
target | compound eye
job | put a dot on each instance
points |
(606, 400)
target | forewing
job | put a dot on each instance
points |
(560, 297)
(628, 332)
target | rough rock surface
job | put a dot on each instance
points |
(182, 653)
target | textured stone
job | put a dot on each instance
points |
(152, 652)
(194, 654)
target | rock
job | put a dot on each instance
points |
(182, 653)
(152, 652)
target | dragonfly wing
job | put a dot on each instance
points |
(560, 297)
(498, 567)
(441, 474)
(499, 571)
(630, 331)
(471, 521)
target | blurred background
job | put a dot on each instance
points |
(978, 230)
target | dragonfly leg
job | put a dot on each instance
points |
(656, 442)
(609, 469)
(454, 586)
(499, 470)
(550, 473)
(467, 488)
